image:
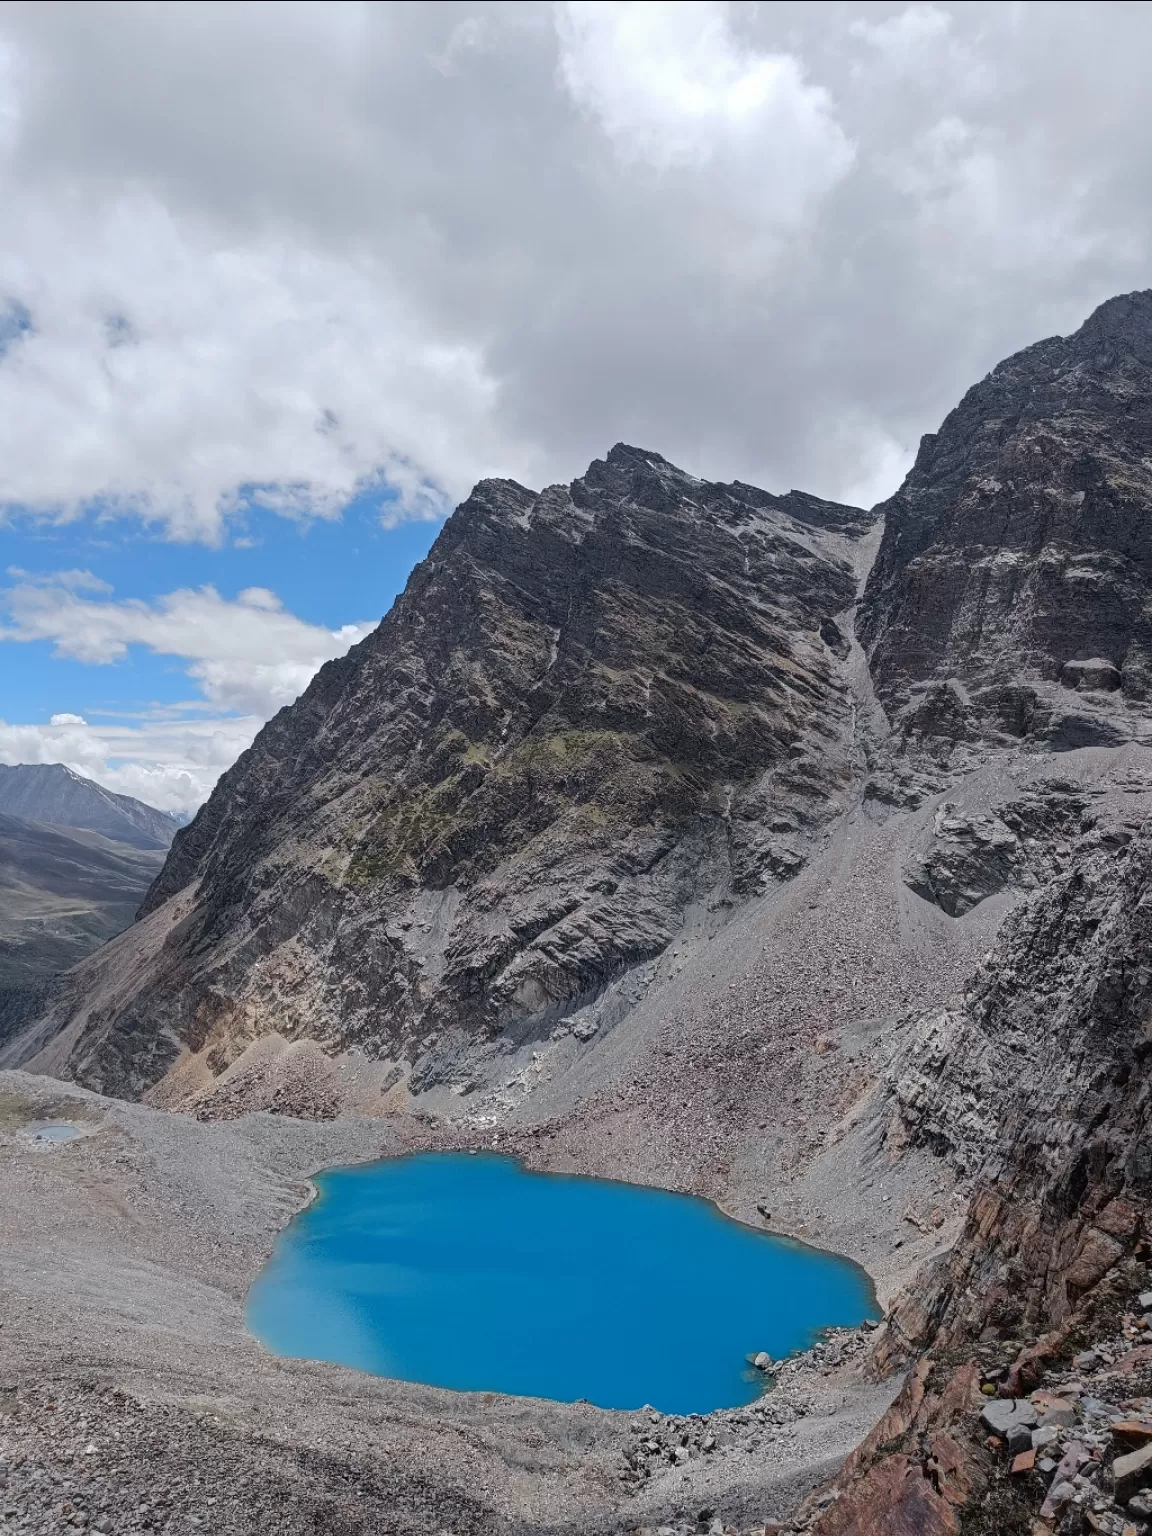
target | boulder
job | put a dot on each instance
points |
(1001, 1415)
(1019, 1438)
(1095, 675)
(1132, 1472)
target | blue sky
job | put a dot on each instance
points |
(327, 573)
(153, 662)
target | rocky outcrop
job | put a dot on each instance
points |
(1011, 595)
(596, 715)
(1037, 1090)
(1015, 846)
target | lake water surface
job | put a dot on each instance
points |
(465, 1270)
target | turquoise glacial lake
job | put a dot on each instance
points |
(466, 1271)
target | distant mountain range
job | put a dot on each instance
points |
(75, 863)
(52, 793)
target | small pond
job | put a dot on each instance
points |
(48, 1134)
(466, 1271)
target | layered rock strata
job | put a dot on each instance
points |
(1009, 599)
(597, 716)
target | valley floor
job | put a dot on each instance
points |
(758, 1072)
(133, 1399)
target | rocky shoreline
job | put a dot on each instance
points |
(125, 1256)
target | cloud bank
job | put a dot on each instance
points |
(246, 658)
(281, 253)
(285, 251)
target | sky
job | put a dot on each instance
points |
(280, 282)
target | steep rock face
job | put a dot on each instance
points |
(596, 714)
(1037, 1088)
(1011, 595)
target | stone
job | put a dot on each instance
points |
(1135, 1360)
(1096, 1255)
(1024, 1462)
(762, 1361)
(1059, 1496)
(1136, 1432)
(1141, 1503)
(1119, 1217)
(1144, 1301)
(1097, 674)
(1019, 1438)
(1045, 1436)
(1132, 1471)
(1086, 1360)
(1006, 1413)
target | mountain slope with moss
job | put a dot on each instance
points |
(596, 715)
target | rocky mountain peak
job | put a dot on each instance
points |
(1008, 598)
(596, 714)
(1121, 326)
(54, 793)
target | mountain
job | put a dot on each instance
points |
(63, 892)
(631, 844)
(1036, 1081)
(598, 717)
(49, 792)
(1009, 600)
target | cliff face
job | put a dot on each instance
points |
(1037, 1086)
(595, 715)
(1010, 596)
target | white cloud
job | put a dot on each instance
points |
(247, 657)
(169, 763)
(249, 654)
(299, 246)
(170, 368)
(672, 85)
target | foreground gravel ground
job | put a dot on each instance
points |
(133, 1399)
